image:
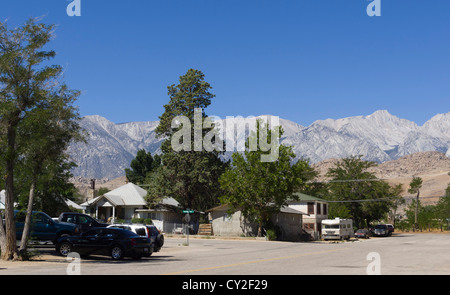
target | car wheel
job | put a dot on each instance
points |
(160, 241)
(117, 253)
(64, 248)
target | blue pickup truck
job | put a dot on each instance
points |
(44, 228)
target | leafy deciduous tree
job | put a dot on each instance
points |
(141, 166)
(258, 189)
(27, 84)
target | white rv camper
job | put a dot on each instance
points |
(337, 229)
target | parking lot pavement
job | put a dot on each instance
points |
(399, 254)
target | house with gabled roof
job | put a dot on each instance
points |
(226, 223)
(316, 210)
(128, 202)
(120, 203)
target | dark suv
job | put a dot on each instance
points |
(381, 230)
(43, 227)
(142, 230)
(84, 221)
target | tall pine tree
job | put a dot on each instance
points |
(188, 175)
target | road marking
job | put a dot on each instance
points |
(252, 262)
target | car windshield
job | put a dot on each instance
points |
(380, 226)
(331, 225)
(361, 231)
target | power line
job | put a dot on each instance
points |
(347, 180)
(383, 199)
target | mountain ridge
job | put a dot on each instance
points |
(378, 137)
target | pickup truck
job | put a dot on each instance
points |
(43, 228)
(83, 221)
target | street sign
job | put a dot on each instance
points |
(187, 219)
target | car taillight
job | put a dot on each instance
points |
(149, 234)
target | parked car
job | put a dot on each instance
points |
(149, 231)
(84, 221)
(381, 230)
(390, 228)
(362, 233)
(43, 227)
(118, 243)
(156, 236)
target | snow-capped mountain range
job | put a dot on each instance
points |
(379, 137)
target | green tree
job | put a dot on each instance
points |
(357, 193)
(141, 165)
(414, 188)
(396, 202)
(28, 82)
(189, 175)
(443, 207)
(44, 135)
(257, 188)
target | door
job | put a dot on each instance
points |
(105, 237)
(43, 227)
(88, 242)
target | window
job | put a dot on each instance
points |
(310, 208)
(41, 218)
(141, 231)
(318, 208)
(68, 218)
(325, 208)
(84, 219)
(227, 217)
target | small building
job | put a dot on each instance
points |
(120, 203)
(128, 202)
(225, 223)
(316, 210)
(166, 215)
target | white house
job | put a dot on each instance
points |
(120, 203)
(316, 210)
(128, 202)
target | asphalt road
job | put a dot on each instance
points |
(397, 255)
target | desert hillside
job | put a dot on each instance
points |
(432, 167)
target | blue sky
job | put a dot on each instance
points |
(302, 60)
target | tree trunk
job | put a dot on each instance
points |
(9, 251)
(27, 226)
(416, 215)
